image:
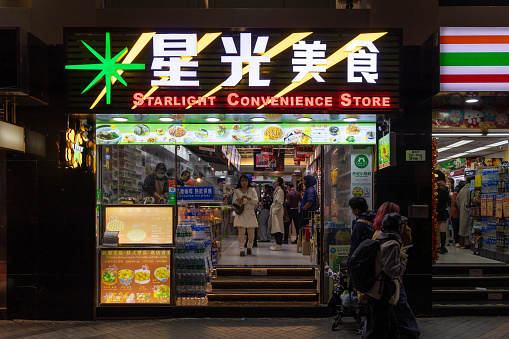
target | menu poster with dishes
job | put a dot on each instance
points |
(141, 224)
(135, 276)
(238, 134)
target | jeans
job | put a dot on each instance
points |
(279, 238)
(264, 224)
(380, 321)
(407, 325)
(294, 216)
(456, 229)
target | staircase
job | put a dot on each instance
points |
(467, 289)
(264, 286)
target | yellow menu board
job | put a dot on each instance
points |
(135, 276)
(140, 224)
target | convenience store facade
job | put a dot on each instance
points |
(225, 90)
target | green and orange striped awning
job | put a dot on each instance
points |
(474, 59)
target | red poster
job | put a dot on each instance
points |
(135, 276)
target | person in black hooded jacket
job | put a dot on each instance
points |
(362, 226)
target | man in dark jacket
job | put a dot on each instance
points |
(362, 226)
(308, 204)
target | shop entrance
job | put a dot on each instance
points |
(193, 222)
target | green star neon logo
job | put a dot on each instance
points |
(109, 67)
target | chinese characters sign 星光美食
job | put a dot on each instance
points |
(194, 70)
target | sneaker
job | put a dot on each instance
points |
(458, 244)
(441, 250)
(276, 247)
(294, 242)
(249, 251)
(242, 253)
(445, 250)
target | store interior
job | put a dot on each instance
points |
(202, 200)
(471, 132)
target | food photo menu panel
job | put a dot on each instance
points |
(240, 133)
(141, 224)
(135, 276)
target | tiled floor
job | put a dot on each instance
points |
(262, 255)
(204, 328)
(462, 256)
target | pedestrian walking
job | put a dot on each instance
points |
(246, 198)
(277, 214)
(265, 213)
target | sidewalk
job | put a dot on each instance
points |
(443, 328)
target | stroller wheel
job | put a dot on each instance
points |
(335, 323)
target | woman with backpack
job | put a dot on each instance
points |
(407, 325)
(381, 320)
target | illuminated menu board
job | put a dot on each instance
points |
(141, 224)
(135, 276)
(238, 134)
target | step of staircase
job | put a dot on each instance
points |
(466, 289)
(472, 295)
(264, 285)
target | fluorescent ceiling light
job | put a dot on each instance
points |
(456, 134)
(119, 119)
(488, 146)
(471, 100)
(457, 144)
(350, 119)
(257, 119)
(304, 119)
(212, 119)
(498, 134)
(166, 119)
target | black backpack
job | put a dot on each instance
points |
(362, 265)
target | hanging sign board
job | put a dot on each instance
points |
(217, 70)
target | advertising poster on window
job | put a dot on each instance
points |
(141, 225)
(135, 276)
(362, 175)
(273, 163)
(237, 134)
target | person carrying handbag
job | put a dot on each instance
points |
(246, 199)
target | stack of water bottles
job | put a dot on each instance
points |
(489, 180)
(489, 235)
(193, 261)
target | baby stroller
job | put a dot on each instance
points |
(345, 301)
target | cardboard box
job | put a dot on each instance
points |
(306, 248)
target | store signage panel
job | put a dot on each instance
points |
(135, 276)
(362, 174)
(222, 69)
(415, 155)
(474, 59)
(196, 193)
(141, 224)
(237, 134)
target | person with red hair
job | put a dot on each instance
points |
(407, 325)
(386, 208)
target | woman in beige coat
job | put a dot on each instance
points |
(276, 219)
(245, 195)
